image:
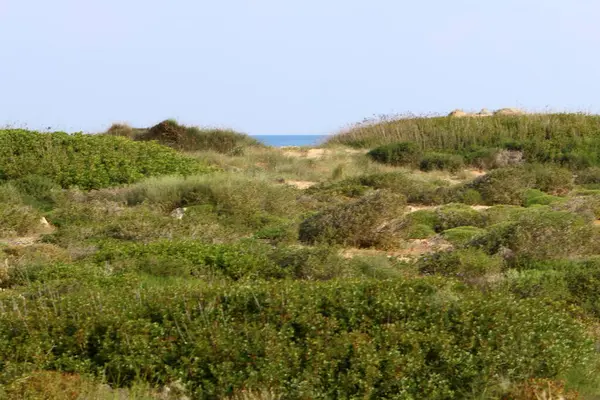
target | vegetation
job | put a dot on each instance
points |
(568, 139)
(183, 265)
(172, 134)
(85, 161)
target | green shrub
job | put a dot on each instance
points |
(172, 134)
(246, 260)
(403, 153)
(303, 340)
(18, 220)
(461, 235)
(507, 185)
(253, 202)
(539, 234)
(586, 206)
(9, 194)
(360, 223)
(86, 161)
(535, 197)
(503, 186)
(39, 191)
(416, 191)
(588, 176)
(502, 213)
(454, 215)
(441, 161)
(466, 264)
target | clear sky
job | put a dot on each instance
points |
(290, 66)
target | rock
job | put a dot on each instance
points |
(458, 113)
(509, 111)
(178, 213)
(44, 222)
(485, 113)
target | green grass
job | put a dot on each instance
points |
(571, 139)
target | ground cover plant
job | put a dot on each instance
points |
(446, 258)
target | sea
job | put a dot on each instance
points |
(291, 140)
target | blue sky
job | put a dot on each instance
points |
(289, 67)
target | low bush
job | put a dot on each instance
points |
(507, 185)
(461, 235)
(588, 176)
(85, 161)
(539, 234)
(188, 138)
(441, 161)
(466, 264)
(18, 220)
(303, 340)
(403, 153)
(251, 202)
(535, 197)
(360, 223)
(454, 215)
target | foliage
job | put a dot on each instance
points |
(86, 161)
(184, 138)
(381, 339)
(569, 139)
(360, 223)
(441, 161)
(402, 153)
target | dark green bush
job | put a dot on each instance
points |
(588, 176)
(461, 235)
(86, 161)
(416, 191)
(466, 264)
(184, 138)
(441, 161)
(403, 153)
(246, 260)
(360, 223)
(454, 215)
(535, 197)
(539, 234)
(367, 339)
(507, 185)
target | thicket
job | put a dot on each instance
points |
(85, 161)
(187, 138)
(380, 339)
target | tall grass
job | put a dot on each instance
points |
(573, 138)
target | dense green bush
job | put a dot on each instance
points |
(461, 235)
(18, 220)
(360, 223)
(540, 233)
(467, 264)
(86, 161)
(415, 190)
(454, 215)
(187, 138)
(535, 197)
(247, 260)
(441, 161)
(507, 185)
(376, 339)
(403, 153)
(252, 202)
(588, 176)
